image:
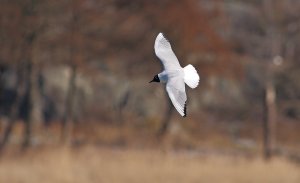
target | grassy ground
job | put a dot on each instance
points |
(107, 165)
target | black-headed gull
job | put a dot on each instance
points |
(173, 74)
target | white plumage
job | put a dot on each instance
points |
(174, 75)
(191, 77)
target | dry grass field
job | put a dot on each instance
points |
(97, 165)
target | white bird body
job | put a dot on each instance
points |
(174, 75)
(166, 74)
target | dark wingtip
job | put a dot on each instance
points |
(184, 110)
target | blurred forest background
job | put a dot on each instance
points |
(76, 72)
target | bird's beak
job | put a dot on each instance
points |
(151, 81)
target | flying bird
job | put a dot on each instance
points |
(174, 76)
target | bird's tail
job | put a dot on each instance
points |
(191, 77)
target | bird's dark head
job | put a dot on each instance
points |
(155, 79)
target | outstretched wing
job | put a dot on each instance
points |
(176, 91)
(164, 52)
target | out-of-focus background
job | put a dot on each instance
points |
(76, 105)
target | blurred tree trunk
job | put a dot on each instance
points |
(14, 111)
(27, 81)
(270, 119)
(166, 120)
(28, 102)
(67, 121)
(33, 28)
(75, 59)
(33, 119)
(121, 103)
(275, 44)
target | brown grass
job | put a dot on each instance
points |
(90, 164)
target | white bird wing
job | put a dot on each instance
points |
(176, 90)
(164, 52)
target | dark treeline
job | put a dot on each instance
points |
(76, 61)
